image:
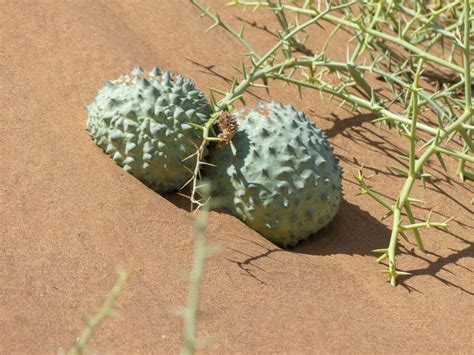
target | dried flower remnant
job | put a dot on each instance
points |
(228, 126)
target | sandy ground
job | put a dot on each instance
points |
(69, 215)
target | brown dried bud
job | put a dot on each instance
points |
(228, 127)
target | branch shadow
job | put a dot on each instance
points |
(255, 25)
(210, 70)
(366, 234)
(353, 231)
(435, 267)
(303, 49)
(351, 128)
(248, 266)
(342, 125)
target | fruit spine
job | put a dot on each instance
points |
(278, 174)
(146, 125)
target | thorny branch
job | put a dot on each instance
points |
(405, 44)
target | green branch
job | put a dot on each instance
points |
(107, 310)
(201, 253)
(337, 20)
(402, 76)
(218, 22)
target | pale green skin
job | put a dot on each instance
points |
(144, 124)
(278, 174)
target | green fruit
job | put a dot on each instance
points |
(145, 124)
(278, 174)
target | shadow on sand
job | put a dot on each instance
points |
(352, 232)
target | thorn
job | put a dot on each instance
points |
(381, 258)
(206, 163)
(181, 194)
(188, 169)
(402, 273)
(189, 156)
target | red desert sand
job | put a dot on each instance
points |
(69, 216)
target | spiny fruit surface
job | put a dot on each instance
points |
(278, 174)
(145, 124)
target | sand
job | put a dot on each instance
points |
(69, 216)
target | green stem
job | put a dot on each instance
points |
(195, 279)
(356, 100)
(416, 226)
(411, 218)
(265, 68)
(365, 189)
(414, 112)
(455, 154)
(255, 74)
(408, 185)
(467, 55)
(218, 21)
(336, 20)
(106, 310)
(467, 87)
(429, 22)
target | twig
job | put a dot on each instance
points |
(107, 310)
(201, 253)
(377, 28)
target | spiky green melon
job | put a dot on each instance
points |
(144, 123)
(278, 174)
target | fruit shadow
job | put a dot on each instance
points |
(352, 232)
